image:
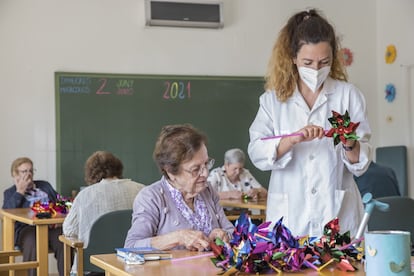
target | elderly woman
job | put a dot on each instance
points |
(107, 191)
(181, 210)
(232, 180)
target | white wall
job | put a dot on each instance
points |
(395, 23)
(398, 32)
(41, 37)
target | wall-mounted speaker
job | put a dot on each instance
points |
(193, 13)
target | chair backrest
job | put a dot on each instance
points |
(400, 215)
(378, 180)
(395, 157)
(107, 233)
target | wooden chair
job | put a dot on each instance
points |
(107, 233)
(8, 266)
(7, 263)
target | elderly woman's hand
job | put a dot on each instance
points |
(253, 193)
(219, 233)
(193, 240)
(235, 194)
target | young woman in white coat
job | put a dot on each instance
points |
(312, 179)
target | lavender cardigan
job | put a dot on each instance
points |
(155, 213)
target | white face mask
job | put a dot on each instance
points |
(314, 78)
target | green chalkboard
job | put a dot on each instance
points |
(124, 114)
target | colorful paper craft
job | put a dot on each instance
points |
(258, 249)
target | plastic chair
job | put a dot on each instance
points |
(395, 157)
(107, 233)
(378, 180)
(400, 215)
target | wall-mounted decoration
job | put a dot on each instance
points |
(390, 92)
(390, 54)
(347, 56)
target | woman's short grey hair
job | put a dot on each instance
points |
(234, 156)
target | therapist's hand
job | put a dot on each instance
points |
(309, 133)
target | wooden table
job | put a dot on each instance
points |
(26, 215)
(115, 266)
(260, 204)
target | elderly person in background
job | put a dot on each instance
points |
(23, 194)
(181, 210)
(107, 191)
(232, 180)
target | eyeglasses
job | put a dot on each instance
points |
(198, 171)
(32, 171)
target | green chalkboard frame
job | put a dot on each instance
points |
(123, 113)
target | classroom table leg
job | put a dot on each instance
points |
(42, 248)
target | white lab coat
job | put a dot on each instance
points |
(313, 182)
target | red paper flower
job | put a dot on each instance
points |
(347, 56)
(342, 128)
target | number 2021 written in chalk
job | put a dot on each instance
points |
(177, 90)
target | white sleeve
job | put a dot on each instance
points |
(358, 113)
(262, 153)
(70, 225)
(250, 178)
(214, 179)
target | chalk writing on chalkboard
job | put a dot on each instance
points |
(124, 113)
(177, 89)
(74, 85)
(123, 87)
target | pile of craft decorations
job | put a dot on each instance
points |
(50, 208)
(256, 249)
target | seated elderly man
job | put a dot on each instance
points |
(23, 194)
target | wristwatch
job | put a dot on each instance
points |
(349, 148)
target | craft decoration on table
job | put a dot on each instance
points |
(343, 128)
(256, 249)
(390, 54)
(347, 56)
(390, 92)
(50, 209)
(246, 197)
